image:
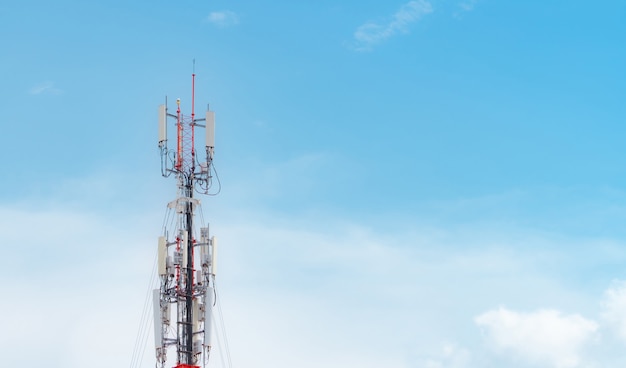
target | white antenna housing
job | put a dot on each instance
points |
(196, 315)
(204, 255)
(210, 129)
(162, 257)
(162, 124)
(204, 234)
(213, 255)
(197, 346)
(158, 319)
(208, 315)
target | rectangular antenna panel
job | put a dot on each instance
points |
(178, 258)
(196, 315)
(197, 346)
(210, 129)
(213, 255)
(165, 314)
(158, 327)
(162, 124)
(171, 268)
(162, 256)
(204, 234)
(208, 315)
(204, 255)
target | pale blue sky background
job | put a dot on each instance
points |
(405, 183)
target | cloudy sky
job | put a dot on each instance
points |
(421, 184)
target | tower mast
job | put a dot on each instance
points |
(186, 258)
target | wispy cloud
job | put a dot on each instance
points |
(546, 337)
(464, 7)
(449, 356)
(415, 283)
(224, 18)
(372, 33)
(468, 5)
(45, 88)
(54, 257)
(614, 308)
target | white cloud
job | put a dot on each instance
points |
(296, 284)
(224, 18)
(80, 279)
(371, 33)
(468, 5)
(45, 88)
(464, 7)
(614, 308)
(449, 356)
(544, 337)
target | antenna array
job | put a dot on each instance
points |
(185, 298)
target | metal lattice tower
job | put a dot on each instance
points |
(186, 257)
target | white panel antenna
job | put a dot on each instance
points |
(197, 346)
(162, 257)
(162, 124)
(210, 129)
(208, 315)
(213, 255)
(196, 315)
(158, 320)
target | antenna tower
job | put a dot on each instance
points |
(185, 298)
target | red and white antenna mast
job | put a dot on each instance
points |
(186, 257)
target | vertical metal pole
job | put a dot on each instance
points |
(188, 339)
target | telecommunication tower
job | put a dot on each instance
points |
(186, 258)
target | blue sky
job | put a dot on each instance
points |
(430, 184)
